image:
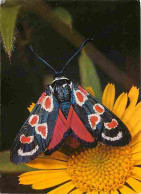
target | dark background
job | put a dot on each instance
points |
(115, 26)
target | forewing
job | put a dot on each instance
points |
(113, 131)
(100, 121)
(35, 134)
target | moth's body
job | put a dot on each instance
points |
(61, 88)
(64, 109)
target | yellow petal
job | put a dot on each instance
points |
(135, 119)
(137, 128)
(138, 105)
(30, 108)
(47, 184)
(65, 188)
(128, 114)
(114, 192)
(32, 173)
(59, 155)
(90, 90)
(137, 172)
(136, 139)
(137, 163)
(39, 176)
(29, 178)
(133, 95)
(76, 191)
(136, 148)
(135, 184)
(109, 96)
(136, 156)
(131, 113)
(120, 105)
(46, 179)
(47, 163)
(126, 190)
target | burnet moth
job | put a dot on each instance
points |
(65, 108)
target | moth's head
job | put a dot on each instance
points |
(58, 75)
(60, 80)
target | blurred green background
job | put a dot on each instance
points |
(55, 29)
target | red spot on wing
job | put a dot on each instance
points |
(80, 97)
(112, 124)
(78, 127)
(25, 139)
(47, 103)
(99, 108)
(60, 128)
(42, 130)
(93, 120)
(33, 121)
(82, 90)
(42, 98)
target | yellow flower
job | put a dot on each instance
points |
(99, 170)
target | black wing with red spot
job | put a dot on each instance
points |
(104, 125)
(37, 131)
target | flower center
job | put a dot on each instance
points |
(103, 168)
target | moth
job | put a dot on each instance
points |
(65, 108)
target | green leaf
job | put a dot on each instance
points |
(8, 21)
(63, 15)
(7, 166)
(88, 75)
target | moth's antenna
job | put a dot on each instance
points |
(42, 60)
(82, 45)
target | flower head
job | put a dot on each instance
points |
(103, 169)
